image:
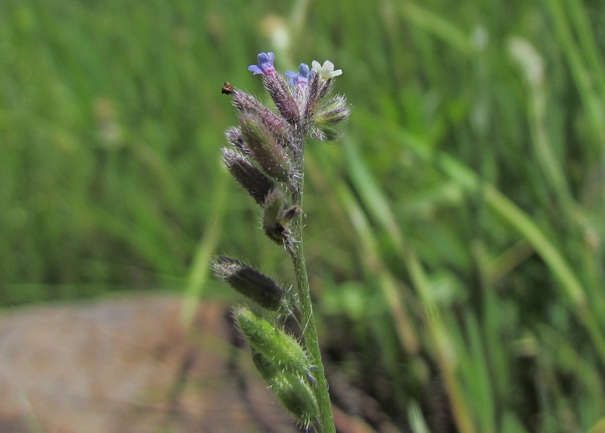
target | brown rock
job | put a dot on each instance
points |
(128, 365)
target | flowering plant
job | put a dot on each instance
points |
(266, 157)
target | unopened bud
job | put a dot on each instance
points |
(278, 127)
(277, 215)
(249, 177)
(264, 147)
(266, 368)
(280, 348)
(297, 396)
(325, 88)
(329, 113)
(313, 99)
(283, 98)
(333, 112)
(292, 390)
(252, 284)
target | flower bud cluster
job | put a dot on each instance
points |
(260, 158)
(283, 364)
(266, 145)
(265, 156)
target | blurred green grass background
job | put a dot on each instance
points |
(454, 237)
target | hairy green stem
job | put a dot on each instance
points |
(320, 384)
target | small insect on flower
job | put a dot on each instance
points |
(227, 88)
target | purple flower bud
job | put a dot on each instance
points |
(301, 79)
(252, 284)
(265, 148)
(277, 87)
(278, 127)
(249, 177)
(265, 64)
(313, 99)
(283, 98)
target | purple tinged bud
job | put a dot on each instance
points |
(283, 98)
(248, 176)
(313, 99)
(278, 127)
(265, 149)
(252, 284)
(265, 64)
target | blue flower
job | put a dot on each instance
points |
(265, 64)
(300, 79)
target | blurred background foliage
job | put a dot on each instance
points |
(454, 236)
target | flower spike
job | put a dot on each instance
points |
(326, 71)
(266, 157)
(265, 64)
